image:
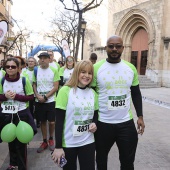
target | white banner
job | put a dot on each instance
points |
(3, 29)
(65, 47)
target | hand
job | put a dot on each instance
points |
(13, 94)
(10, 95)
(92, 127)
(40, 98)
(140, 125)
(57, 154)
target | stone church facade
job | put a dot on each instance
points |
(145, 30)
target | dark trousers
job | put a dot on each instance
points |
(18, 150)
(18, 154)
(126, 138)
(85, 154)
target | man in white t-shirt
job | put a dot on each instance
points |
(116, 82)
(45, 85)
(52, 62)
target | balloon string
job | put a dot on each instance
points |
(12, 118)
(18, 117)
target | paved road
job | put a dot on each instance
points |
(153, 152)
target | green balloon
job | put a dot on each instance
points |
(24, 132)
(8, 133)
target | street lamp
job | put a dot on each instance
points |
(21, 41)
(83, 27)
(31, 50)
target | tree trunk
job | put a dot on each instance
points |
(78, 35)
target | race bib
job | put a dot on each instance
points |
(117, 102)
(9, 107)
(81, 127)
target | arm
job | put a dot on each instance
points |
(93, 127)
(58, 151)
(3, 97)
(23, 98)
(61, 83)
(95, 117)
(137, 101)
(60, 116)
(54, 89)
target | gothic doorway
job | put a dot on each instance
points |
(140, 50)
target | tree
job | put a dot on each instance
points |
(64, 27)
(80, 8)
(20, 37)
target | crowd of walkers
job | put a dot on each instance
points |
(81, 108)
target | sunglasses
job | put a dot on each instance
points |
(69, 60)
(12, 67)
(117, 46)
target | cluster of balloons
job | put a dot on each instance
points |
(23, 131)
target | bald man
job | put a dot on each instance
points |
(116, 81)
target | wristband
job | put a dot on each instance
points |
(45, 98)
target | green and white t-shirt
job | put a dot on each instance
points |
(45, 79)
(113, 82)
(29, 74)
(55, 65)
(66, 73)
(2, 73)
(16, 87)
(79, 105)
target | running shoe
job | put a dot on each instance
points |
(51, 145)
(11, 167)
(43, 146)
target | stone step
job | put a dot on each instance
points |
(145, 82)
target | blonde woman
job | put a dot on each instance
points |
(76, 118)
(66, 71)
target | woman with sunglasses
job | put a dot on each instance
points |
(66, 71)
(14, 93)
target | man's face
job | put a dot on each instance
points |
(93, 61)
(31, 63)
(44, 61)
(51, 56)
(114, 49)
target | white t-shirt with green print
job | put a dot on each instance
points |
(79, 105)
(113, 82)
(66, 73)
(16, 87)
(45, 79)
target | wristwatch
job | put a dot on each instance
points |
(45, 98)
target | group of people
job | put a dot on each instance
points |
(87, 105)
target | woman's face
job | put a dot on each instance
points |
(11, 68)
(70, 61)
(85, 77)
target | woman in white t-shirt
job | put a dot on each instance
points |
(66, 71)
(76, 118)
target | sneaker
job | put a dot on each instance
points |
(51, 145)
(43, 146)
(10, 167)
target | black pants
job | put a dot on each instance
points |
(126, 138)
(18, 154)
(17, 150)
(86, 156)
(31, 107)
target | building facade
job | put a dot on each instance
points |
(144, 27)
(5, 14)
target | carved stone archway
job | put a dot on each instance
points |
(130, 24)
